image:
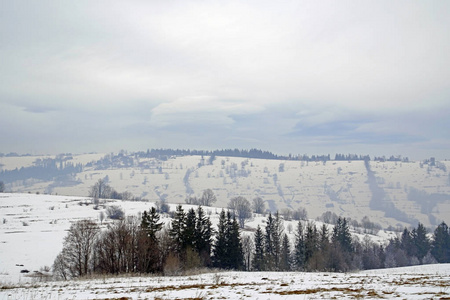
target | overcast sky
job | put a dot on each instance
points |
(314, 77)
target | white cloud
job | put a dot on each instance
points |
(329, 61)
(200, 110)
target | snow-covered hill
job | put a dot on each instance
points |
(424, 282)
(389, 193)
(33, 227)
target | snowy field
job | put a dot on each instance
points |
(338, 186)
(33, 227)
(424, 282)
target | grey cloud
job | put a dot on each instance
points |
(371, 72)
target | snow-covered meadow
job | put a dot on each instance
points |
(341, 187)
(33, 227)
(424, 282)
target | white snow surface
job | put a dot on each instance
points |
(338, 186)
(424, 282)
(33, 227)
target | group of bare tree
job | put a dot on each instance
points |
(207, 199)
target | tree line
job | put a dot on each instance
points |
(45, 169)
(145, 245)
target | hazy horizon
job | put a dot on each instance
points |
(292, 77)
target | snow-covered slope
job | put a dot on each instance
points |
(33, 227)
(389, 193)
(425, 282)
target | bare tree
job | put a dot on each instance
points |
(300, 214)
(2, 187)
(116, 248)
(258, 205)
(115, 212)
(247, 247)
(101, 217)
(208, 198)
(192, 200)
(241, 209)
(100, 190)
(75, 259)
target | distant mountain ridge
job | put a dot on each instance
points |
(391, 192)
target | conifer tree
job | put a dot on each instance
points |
(236, 253)
(277, 236)
(258, 256)
(299, 250)
(269, 244)
(311, 241)
(189, 234)
(342, 236)
(176, 231)
(420, 241)
(440, 247)
(285, 260)
(406, 242)
(150, 224)
(228, 252)
(324, 238)
(148, 251)
(220, 245)
(203, 236)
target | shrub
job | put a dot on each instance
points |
(115, 212)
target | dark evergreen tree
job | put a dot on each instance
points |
(150, 223)
(277, 239)
(440, 247)
(269, 244)
(203, 236)
(148, 251)
(234, 246)
(311, 243)
(324, 238)
(406, 242)
(285, 260)
(341, 247)
(228, 251)
(176, 231)
(341, 235)
(258, 256)
(299, 249)
(420, 241)
(220, 246)
(189, 234)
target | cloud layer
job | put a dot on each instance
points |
(291, 77)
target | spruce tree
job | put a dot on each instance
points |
(176, 231)
(285, 260)
(440, 247)
(148, 250)
(342, 236)
(234, 245)
(258, 256)
(406, 242)
(299, 250)
(421, 241)
(220, 245)
(277, 236)
(311, 241)
(150, 223)
(268, 243)
(203, 236)
(189, 230)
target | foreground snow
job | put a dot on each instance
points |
(420, 282)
